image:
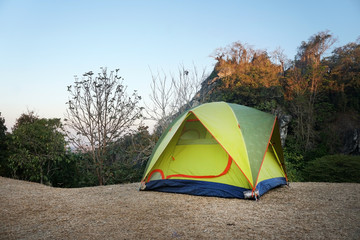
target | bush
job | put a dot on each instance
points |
(293, 163)
(333, 168)
(66, 172)
(125, 173)
(294, 160)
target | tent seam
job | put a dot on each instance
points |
(224, 149)
(267, 146)
(242, 136)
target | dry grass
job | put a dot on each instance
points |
(301, 211)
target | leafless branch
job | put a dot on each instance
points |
(100, 112)
(168, 97)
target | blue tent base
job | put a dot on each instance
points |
(211, 189)
(268, 184)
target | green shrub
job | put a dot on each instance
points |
(294, 164)
(125, 173)
(333, 168)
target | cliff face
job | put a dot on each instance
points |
(208, 86)
(346, 128)
(351, 142)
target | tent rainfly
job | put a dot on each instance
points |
(218, 149)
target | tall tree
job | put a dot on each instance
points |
(344, 69)
(306, 78)
(310, 53)
(100, 112)
(37, 144)
(279, 56)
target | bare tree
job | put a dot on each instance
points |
(100, 112)
(161, 96)
(186, 85)
(171, 93)
(279, 56)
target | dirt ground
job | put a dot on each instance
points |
(301, 211)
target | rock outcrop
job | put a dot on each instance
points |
(284, 121)
(351, 142)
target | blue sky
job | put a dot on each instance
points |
(43, 44)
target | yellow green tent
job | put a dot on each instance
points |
(218, 149)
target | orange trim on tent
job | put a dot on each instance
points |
(154, 171)
(257, 178)
(224, 149)
(208, 176)
(283, 167)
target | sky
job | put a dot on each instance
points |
(43, 44)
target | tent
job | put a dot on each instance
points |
(218, 149)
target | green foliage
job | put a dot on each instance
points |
(66, 172)
(344, 77)
(4, 149)
(325, 112)
(294, 160)
(127, 157)
(333, 168)
(86, 170)
(320, 150)
(36, 146)
(125, 162)
(262, 98)
(125, 173)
